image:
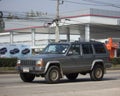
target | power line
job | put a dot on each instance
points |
(93, 2)
(104, 3)
(68, 1)
(82, 3)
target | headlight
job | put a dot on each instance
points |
(18, 62)
(40, 63)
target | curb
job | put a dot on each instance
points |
(113, 69)
(8, 72)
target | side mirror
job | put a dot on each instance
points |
(70, 53)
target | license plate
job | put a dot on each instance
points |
(25, 69)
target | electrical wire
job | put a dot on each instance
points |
(69, 1)
(83, 3)
(94, 2)
(104, 3)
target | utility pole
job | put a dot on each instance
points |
(2, 24)
(57, 33)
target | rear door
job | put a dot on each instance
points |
(100, 51)
(87, 56)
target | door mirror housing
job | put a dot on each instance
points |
(70, 53)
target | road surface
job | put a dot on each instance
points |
(12, 85)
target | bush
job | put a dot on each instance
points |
(8, 62)
(115, 61)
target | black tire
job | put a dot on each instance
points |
(27, 77)
(97, 73)
(72, 76)
(53, 75)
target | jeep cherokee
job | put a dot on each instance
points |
(69, 59)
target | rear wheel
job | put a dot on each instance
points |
(97, 73)
(72, 76)
(27, 77)
(53, 75)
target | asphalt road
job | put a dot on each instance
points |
(11, 85)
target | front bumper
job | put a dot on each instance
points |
(33, 70)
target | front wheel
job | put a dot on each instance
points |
(27, 77)
(53, 75)
(97, 73)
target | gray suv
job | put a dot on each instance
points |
(69, 59)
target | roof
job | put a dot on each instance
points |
(92, 12)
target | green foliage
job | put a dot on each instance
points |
(8, 62)
(115, 61)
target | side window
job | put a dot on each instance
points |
(87, 49)
(99, 48)
(75, 49)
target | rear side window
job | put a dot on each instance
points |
(99, 48)
(87, 49)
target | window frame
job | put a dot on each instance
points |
(79, 53)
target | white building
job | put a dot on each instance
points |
(85, 24)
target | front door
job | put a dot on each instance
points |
(71, 62)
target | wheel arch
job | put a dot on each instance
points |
(99, 62)
(53, 63)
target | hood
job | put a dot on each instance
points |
(43, 56)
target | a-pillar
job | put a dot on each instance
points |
(87, 32)
(33, 37)
(11, 37)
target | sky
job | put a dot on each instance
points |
(49, 6)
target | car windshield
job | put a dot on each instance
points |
(56, 49)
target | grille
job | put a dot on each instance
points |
(28, 62)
